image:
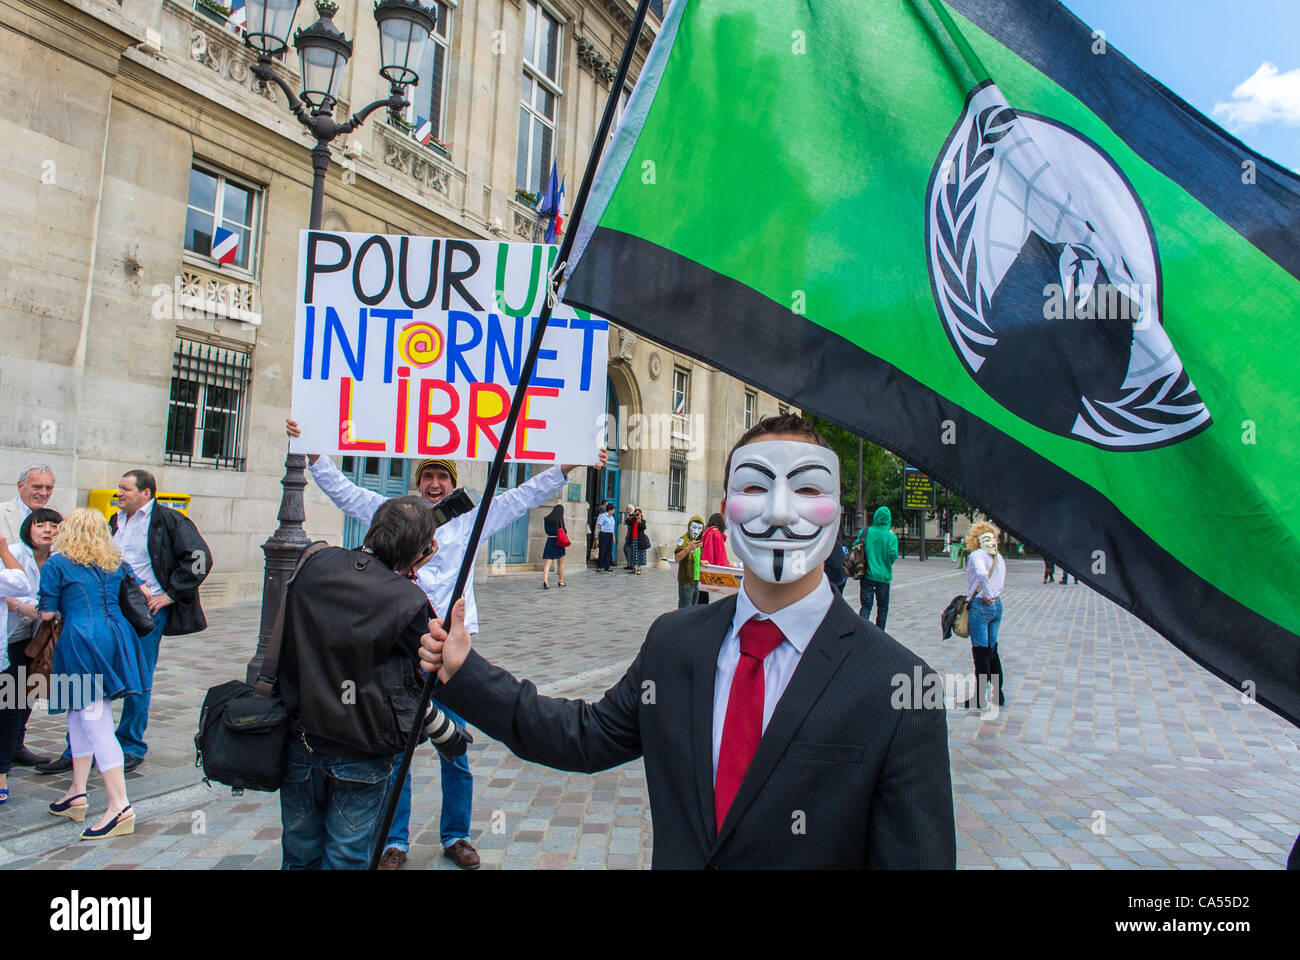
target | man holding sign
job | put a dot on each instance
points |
(435, 479)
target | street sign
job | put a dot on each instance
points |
(918, 490)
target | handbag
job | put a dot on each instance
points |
(562, 539)
(40, 652)
(856, 564)
(955, 618)
(244, 730)
(135, 607)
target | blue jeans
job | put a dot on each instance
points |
(985, 619)
(135, 708)
(457, 800)
(869, 590)
(330, 809)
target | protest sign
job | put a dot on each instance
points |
(414, 347)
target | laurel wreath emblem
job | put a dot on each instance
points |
(955, 216)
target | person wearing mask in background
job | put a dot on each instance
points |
(638, 541)
(36, 534)
(713, 547)
(605, 526)
(687, 555)
(553, 524)
(880, 550)
(985, 575)
(97, 659)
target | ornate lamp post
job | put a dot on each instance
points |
(404, 28)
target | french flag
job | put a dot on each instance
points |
(556, 229)
(423, 130)
(237, 16)
(225, 243)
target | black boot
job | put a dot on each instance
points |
(995, 672)
(981, 657)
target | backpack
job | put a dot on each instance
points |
(243, 729)
(856, 564)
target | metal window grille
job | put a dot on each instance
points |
(677, 487)
(205, 415)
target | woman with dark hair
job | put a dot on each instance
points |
(553, 524)
(638, 541)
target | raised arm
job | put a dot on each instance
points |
(564, 734)
(357, 502)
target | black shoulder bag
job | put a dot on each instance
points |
(244, 730)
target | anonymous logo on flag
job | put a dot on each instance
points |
(1045, 272)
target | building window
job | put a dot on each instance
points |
(429, 96)
(205, 415)
(681, 392)
(751, 404)
(782, 409)
(677, 486)
(619, 109)
(538, 98)
(221, 219)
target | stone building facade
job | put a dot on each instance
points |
(131, 132)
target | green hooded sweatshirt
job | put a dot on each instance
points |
(881, 547)
(688, 571)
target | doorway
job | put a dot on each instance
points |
(510, 544)
(388, 477)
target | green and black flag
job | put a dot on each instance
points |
(978, 235)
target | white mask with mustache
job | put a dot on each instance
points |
(783, 507)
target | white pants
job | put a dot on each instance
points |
(90, 731)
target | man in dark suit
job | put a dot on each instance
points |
(771, 723)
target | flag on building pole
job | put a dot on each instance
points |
(553, 229)
(1002, 251)
(423, 130)
(548, 202)
(225, 244)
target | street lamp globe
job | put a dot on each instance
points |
(324, 52)
(267, 24)
(404, 28)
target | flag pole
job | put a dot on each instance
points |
(516, 404)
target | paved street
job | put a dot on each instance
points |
(1114, 750)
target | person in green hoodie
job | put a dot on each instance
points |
(880, 549)
(687, 555)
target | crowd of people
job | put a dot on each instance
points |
(378, 611)
(89, 600)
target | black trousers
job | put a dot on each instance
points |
(605, 558)
(13, 720)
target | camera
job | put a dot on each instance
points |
(450, 738)
(453, 505)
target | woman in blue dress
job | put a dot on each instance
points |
(97, 659)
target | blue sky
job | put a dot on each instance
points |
(1215, 55)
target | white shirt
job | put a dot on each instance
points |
(985, 575)
(605, 522)
(798, 622)
(13, 583)
(437, 578)
(132, 538)
(27, 560)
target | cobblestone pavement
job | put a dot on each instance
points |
(1114, 749)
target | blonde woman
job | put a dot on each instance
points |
(986, 573)
(96, 660)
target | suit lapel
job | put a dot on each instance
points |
(823, 656)
(704, 670)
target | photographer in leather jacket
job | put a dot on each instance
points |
(353, 621)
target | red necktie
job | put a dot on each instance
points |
(743, 726)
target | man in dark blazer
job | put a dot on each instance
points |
(771, 723)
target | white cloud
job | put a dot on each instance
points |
(1267, 96)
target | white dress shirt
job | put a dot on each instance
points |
(798, 622)
(27, 560)
(437, 578)
(132, 538)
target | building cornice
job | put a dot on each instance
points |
(92, 31)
